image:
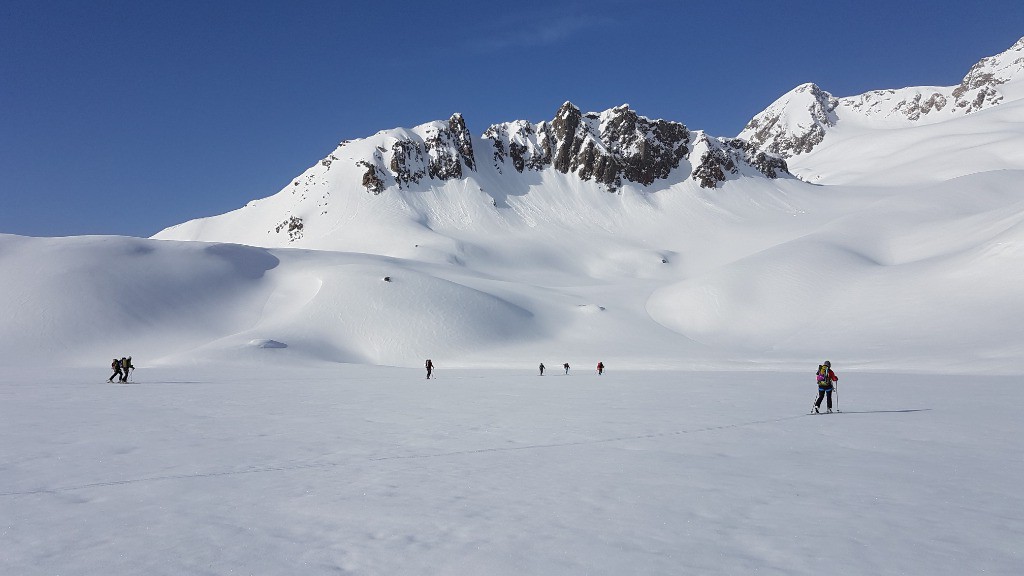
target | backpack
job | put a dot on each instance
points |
(823, 378)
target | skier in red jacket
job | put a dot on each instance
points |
(825, 379)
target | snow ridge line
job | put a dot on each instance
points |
(387, 458)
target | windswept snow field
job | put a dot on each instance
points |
(236, 469)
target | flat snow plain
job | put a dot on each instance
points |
(354, 469)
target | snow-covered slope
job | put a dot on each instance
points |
(744, 274)
(909, 135)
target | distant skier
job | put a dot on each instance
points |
(126, 368)
(566, 366)
(430, 368)
(600, 368)
(541, 368)
(825, 379)
(115, 365)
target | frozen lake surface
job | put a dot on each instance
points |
(354, 469)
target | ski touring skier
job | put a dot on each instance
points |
(115, 365)
(126, 368)
(541, 368)
(126, 364)
(600, 368)
(430, 368)
(566, 366)
(826, 384)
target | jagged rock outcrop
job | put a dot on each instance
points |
(292, 226)
(449, 149)
(798, 121)
(718, 157)
(609, 148)
(373, 178)
(528, 147)
(438, 151)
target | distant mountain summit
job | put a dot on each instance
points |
(798, 122)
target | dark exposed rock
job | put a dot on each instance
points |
(518, 153)
(449, 149)
(565, 129)
(609, 148)
(373, 178)
(724, 156)
(407, 162)
(919, 106)
(526, 145)
(440, 154)
(462, 139)
(293, 225)
(711, 168)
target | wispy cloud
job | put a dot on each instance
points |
(539, 32)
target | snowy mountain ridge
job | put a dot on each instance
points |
(799, 120)
(609, 148)
(614, 151)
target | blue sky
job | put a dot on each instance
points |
(125, 117)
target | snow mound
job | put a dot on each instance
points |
(264, 343)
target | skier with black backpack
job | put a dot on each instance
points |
(826, 379)
(115, 364)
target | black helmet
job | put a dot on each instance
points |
(827, 363)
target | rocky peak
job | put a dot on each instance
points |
(795, 123)
(611, 147)
(436, 150)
